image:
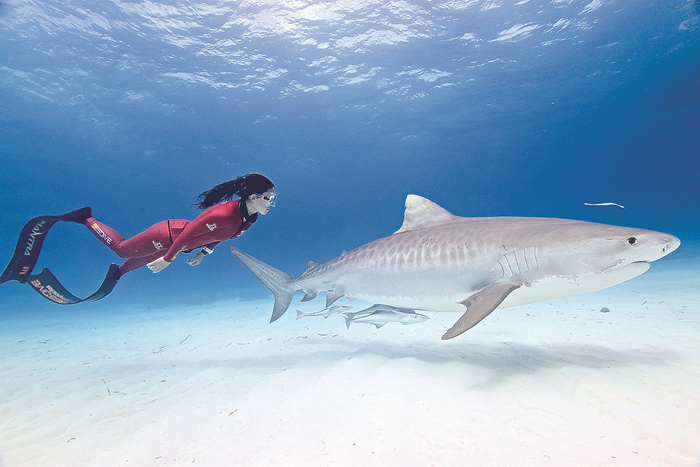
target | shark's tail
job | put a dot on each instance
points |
(279, 283)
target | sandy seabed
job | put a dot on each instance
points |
(557, 383)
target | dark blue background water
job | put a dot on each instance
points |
(487, 107)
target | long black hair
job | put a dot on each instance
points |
(242, 186)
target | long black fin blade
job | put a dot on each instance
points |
(50, 288)
(30, 241)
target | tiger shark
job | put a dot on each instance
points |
(438, 261)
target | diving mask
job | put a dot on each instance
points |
(271, 198)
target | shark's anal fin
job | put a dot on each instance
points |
(480, 305)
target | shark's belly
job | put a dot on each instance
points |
(420, 289)
(547, 287)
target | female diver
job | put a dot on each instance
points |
(157, 246)
(222, 219)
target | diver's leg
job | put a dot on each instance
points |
(105, 234)
(155, 239)
(150, 241)
(142, 248)
(149, 245)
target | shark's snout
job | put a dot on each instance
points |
(658, 246)
(672, 244)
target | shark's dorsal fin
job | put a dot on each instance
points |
(421, 213)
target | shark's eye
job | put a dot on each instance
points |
(632, 240)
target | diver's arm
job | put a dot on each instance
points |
(158, 265)
(197, 258)
(213, 224)
(206, 250)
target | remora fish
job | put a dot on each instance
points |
(325, 312)
(379, 315)
(388, 308)
(438, 261)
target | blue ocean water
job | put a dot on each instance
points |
(487, 107)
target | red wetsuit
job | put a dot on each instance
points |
(167, 239)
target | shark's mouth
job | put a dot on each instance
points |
(622, 265)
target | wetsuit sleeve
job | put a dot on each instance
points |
(197, 233)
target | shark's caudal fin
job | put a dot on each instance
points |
(278, 282)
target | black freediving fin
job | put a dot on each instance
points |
(26, 254)
(480, 305)
(110, 281)
(30, 241)
(50, 288)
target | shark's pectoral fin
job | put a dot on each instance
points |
(480, 305)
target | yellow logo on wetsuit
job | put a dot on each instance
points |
(101, 233)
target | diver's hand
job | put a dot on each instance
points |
(196, 260)
(158, 265)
